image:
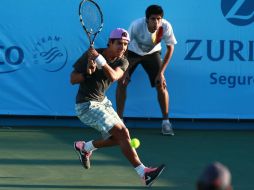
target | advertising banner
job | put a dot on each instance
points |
(209, 76)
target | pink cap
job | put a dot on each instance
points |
(120, 33)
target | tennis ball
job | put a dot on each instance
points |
(135, 143)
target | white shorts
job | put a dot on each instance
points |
(98, 115)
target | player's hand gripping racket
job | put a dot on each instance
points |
(91, 19)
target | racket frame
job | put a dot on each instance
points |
(89, 34)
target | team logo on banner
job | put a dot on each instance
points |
(50, 54)
(238, 12)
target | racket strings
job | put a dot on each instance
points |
(91, 17)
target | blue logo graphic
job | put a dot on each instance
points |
(50, 54)
(238, 12)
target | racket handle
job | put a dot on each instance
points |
(91, 69)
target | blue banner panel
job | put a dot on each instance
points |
(210, 74)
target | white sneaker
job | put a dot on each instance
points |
(167, 129)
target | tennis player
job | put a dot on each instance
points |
(95, 110)
(144, 48)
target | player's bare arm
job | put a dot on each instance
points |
(76, 77)
(125, 79)
(167, 57)
(160, 78)
(113, 74)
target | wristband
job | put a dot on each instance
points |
(100, 61)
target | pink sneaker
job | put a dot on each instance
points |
(84, 156)
(151, 174)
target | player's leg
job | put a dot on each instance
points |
(121, 93)
(163, 99)
(121, 135)
(113, 127)
(115, 133)
(121, 90)
(84, 149)
(102, 117)
(152, 64)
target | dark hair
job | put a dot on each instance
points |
(154, 10)
(110, 41)
(215, 176)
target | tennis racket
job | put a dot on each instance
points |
(91, 19)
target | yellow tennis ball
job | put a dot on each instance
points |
(135, 143)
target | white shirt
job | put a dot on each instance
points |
(143, 42)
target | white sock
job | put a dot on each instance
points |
(140, 170)
(164, 121)
(89, 146)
